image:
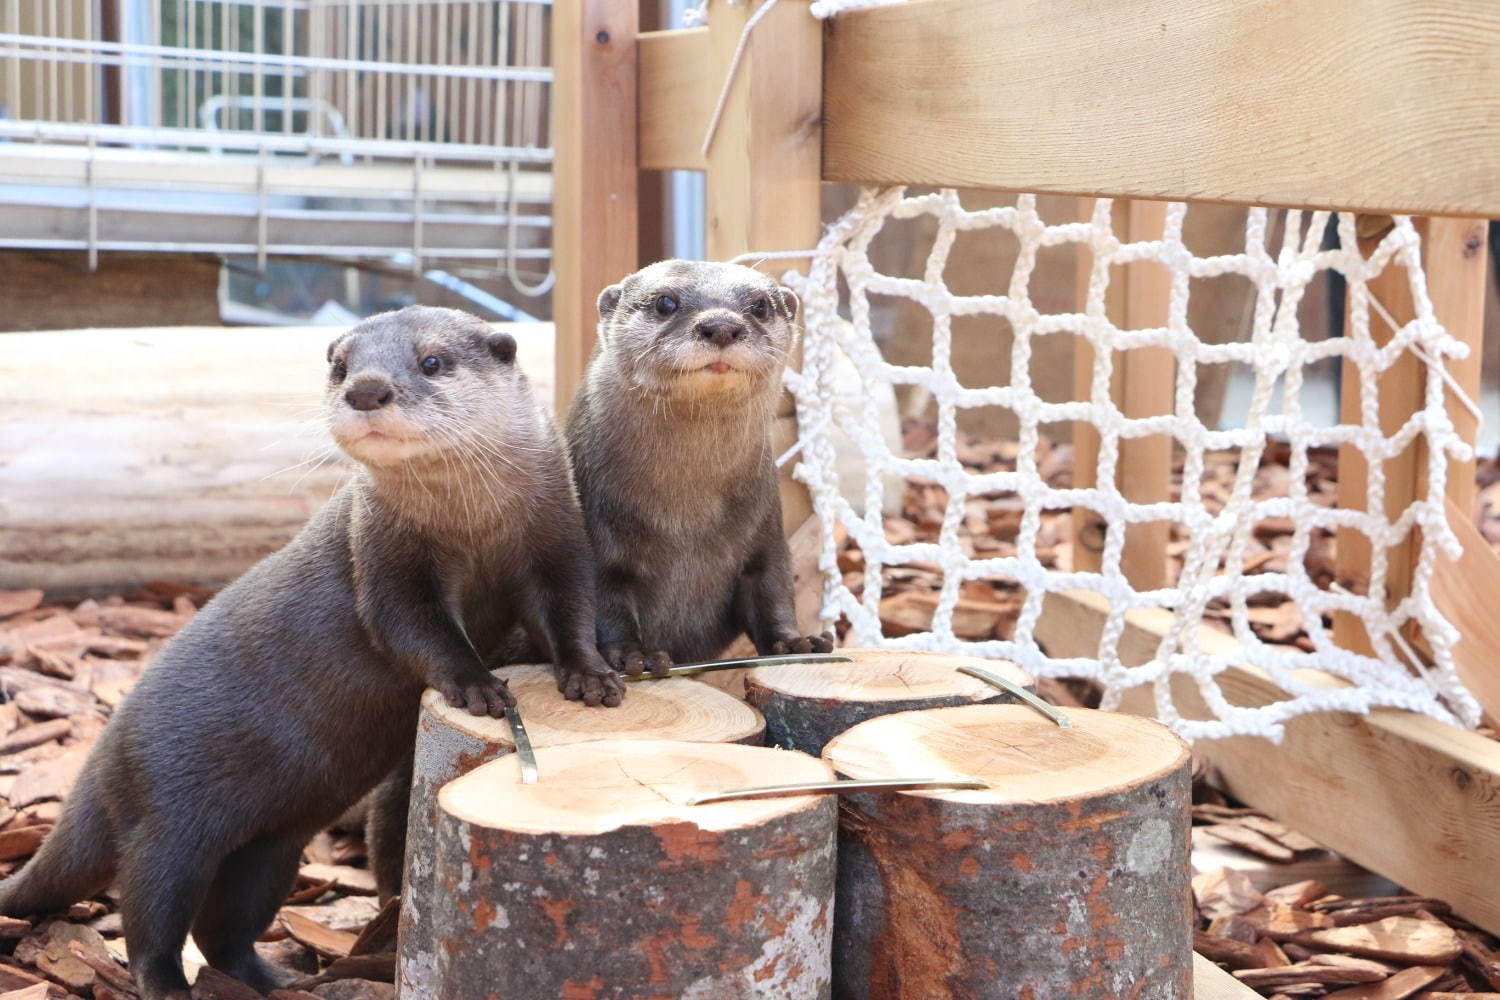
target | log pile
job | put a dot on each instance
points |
(1067, 876)
(629, 889)
(808, 704)
(451, 743)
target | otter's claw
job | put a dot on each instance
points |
(594, 686)
(804, 644)
(486, 695)
(630, 659)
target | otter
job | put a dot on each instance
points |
(671, 447)
(295, 690)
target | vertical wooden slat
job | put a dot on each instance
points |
(765, 163)
(594, 192)
(1400, 394)
(1142, 387)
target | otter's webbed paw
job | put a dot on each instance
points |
(630, 659)
(804, 644)
(480, 693)
(594, 684)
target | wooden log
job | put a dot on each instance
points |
(1068, 877)
(808, 704)
(599, 881)
(180, 454)
(451, 743)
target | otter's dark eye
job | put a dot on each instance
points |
(431, 365)
(665, 305)
(760, 309)
(338, 370)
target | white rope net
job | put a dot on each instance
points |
(843, 277)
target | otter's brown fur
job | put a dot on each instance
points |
(295, 690)
(670, 438)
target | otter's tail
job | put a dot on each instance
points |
(76, 860)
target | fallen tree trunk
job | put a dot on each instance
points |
(808, 704)
(599, 881)
(1067, 877)
(451, 742)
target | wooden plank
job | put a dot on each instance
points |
(676, 99)
(178, 453)
(1401, 391)
(1146, 390)
(1406, 796)
(1207, 100)
(595, 176)
(1464, 591)
(764, 163)
(1212, 983)
(1455, 255)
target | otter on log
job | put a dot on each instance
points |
(670, 439)
(296, 689)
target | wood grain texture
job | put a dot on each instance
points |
(595, 223)
(1455, 255)
(1212, 983)
(1464, 591)
(676, 99)
(1384, 105)
(177, 453)
(1427, 793)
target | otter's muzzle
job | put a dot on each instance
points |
(369, 392)
(720, 332)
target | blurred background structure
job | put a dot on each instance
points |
(335, 156)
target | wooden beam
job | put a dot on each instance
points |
(676, 99)
(1146, 390)
(1463, 590)
(1401, 391)
(1207, 100)
(595, 177)
(1212, 983)
(765, 160)
(1403, 795)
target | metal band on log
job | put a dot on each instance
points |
(451, 742)
(808, 704)
(598, 881)
(1068, 877)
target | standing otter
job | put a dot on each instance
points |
(671, 442)
(296, 689)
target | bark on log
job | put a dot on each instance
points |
(1068, 877)
(808, 704)
(598, 882)
(451, 743)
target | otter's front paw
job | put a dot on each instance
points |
(630, 659)
(594, 685)
(804, 644)
(481, 694)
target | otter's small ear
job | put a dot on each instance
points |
(789, 302)
(608, 299)
(331, 345)
(502, 346)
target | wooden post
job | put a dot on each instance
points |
(1067, 877)
(601, 881)
(1400, 390)
(594, 208)
(808, 704)
(765, 160)
(1142, 386)
(451, 743)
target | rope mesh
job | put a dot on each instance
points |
(842, 276)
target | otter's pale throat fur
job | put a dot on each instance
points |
(670, 439)
(295, 690)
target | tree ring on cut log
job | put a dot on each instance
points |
(451, 742)
(1068, 876)
(807, 704)
(600, 880)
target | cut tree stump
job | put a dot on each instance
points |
(451, 742)
(1068, 877)
(808, 704)
(599, 881)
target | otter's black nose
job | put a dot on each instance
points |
(369, 394)
(722, 332)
